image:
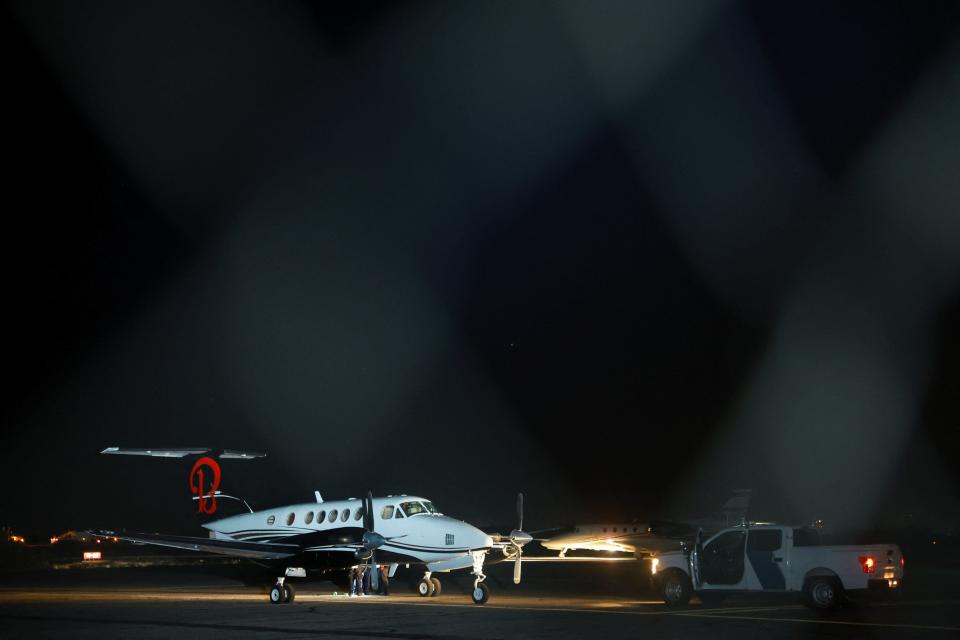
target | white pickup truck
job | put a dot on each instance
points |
(769, 558)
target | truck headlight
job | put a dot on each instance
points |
(653, 565)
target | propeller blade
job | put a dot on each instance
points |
(520, 512)
(368, 523)
(516, 567)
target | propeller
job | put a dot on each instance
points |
(371, 540)
(518, 538)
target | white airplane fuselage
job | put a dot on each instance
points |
(424, 536)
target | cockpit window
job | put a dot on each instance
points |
(429, 506)
(412, 508)
(387, 512)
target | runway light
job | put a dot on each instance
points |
(91, 555)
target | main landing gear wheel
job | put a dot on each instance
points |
(437, 587)
(426, 587)
(480, 594)
(282, 593)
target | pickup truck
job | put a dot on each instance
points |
(767, 558)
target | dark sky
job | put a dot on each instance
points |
(624, 257)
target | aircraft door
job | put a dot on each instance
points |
(767, 557)
(721, 562)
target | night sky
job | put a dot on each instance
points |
(623, 257)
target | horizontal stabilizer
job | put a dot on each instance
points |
(242, 455)
(226, 454)
(156, 453)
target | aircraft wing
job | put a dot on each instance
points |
(576, 559)
(236, 548)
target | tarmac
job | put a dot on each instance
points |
(575, 600)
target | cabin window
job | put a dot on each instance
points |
(345, 515)
(309, 517)
(387, 512)
(291, 518)
(412, 508)
(358, 514)
(333, 516)
(271, 520)
(320, 516)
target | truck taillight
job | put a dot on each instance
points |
(868, 563)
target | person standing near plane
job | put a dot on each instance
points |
(383, 588)
(366, 579)
(356, 582)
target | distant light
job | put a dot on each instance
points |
(92, 555)
(54, 540)
(934, 541)
(16, 539)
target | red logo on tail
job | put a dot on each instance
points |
(206, 500)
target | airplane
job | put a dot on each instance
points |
(642, 538)
(326, 539)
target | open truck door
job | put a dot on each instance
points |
(695, 556)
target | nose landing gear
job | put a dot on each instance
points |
(480, 593)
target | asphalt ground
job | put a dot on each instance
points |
(569, 601)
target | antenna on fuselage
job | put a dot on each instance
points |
(319, 497)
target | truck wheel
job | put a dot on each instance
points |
(823, 593)
(675, 588)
